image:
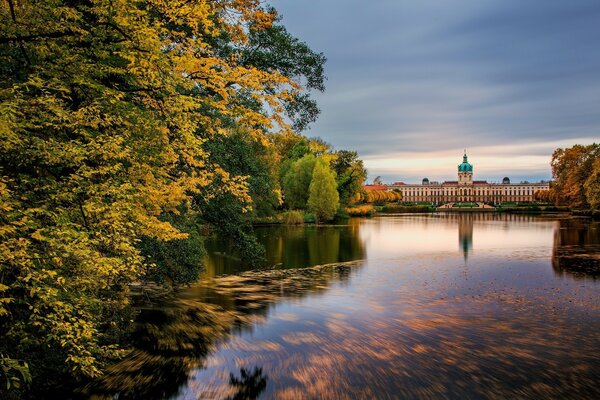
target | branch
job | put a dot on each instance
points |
(14, 18)
(31, 38)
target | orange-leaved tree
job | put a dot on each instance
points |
(571, 168)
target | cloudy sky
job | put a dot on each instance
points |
(411, 83)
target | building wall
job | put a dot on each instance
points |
(488, 192)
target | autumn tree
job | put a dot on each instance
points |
(105, 108)
(545, 196)
(323, 198)
(571, 168)
(592, 186)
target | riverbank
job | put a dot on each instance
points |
(299, 217)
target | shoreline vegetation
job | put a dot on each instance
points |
(300, 218)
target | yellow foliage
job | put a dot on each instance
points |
(381, 196)
(102, 125)
(360, 211)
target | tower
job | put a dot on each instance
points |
(465, 180)
(465, 172)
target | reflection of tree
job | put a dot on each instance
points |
(292, 247)
(250, 384)
(172, 338)
(576, 249)
(323, 246)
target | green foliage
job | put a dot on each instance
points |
(324, 198)
(290, 148)
(350, 175)
(406, 208)
(297, 181)
(178, 261)
(226, 214)
(14, 373)
(244, 158)
(275, 48)
(310, 218)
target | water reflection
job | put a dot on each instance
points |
(407, 322)
(250, 384)
(173, 337)
(576, 250)
(291, 247)
(465, 233)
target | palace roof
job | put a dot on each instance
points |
(465, 166)
(375, 187)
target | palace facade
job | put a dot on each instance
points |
(465, 189)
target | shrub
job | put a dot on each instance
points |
(310, 218)
(292, 217)
(403, 208)
(361, 211)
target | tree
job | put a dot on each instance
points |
(255, 161)
(297, 181)
(350, 175)
(105, 108)
(592, 186)
(274, 48)
(571, 168)
(324, 198)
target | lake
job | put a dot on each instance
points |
(398, 306)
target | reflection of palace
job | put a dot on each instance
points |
(465, 233)
(466, 189)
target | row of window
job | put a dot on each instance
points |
(527, 191)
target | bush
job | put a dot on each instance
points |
(361, 211)
(341, 215)
(403, 208)
(292, 217)
(310, 218)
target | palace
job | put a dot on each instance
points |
(465, 189)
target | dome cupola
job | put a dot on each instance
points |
(465, 166)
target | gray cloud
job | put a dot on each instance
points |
(420, 77)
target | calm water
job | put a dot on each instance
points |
(409, 306)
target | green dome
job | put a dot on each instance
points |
(465, 166)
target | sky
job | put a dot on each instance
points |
(411, 83)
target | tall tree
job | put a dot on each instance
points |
(324, 199)
(350, 174)
(297, 181)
